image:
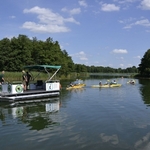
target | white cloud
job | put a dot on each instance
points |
(81, 55)
(64, 9)
(129, 65)
(41, 28)
(82, 3)
(120, 51)
(111, 65)
(125, 1)
(130, 19)
(143, 22)
(109, 7)
(128, 26)
(49, 22)
(12, 17)
(121, 65)
(75, 11)
(145, 4)
(72, 11)
(96, 62)
(139, 57)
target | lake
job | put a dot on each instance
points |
(82, 119)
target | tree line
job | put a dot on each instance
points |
(22, 51)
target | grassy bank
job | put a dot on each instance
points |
(17, 76)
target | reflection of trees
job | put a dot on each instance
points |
(40, 122)
(145, 92)
(2, 116)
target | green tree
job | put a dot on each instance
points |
(5, 49)
(67, 63)
(144, 66)
(20, 54)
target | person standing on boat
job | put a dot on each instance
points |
(2, 80)
(24, 79)
(28, 77)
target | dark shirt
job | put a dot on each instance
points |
(24, 77)
(28, 77)
(1, 78)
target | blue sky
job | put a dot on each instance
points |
(114, 33)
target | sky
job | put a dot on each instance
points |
(108, 33)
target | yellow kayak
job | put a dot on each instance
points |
(75, 86)
(81, 84)
(106, 85)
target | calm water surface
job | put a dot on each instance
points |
(81, 119)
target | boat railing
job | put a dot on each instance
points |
(16, 82)
(52, 81)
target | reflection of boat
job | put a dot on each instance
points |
(76, 84)
(47, 105)
(131, 82)
(52, 107)
(106, 85)
(17, 111)
(40, 89)
(36, 116)
(32, 101)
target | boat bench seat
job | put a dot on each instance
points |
(39, 84)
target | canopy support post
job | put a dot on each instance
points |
(54, 74)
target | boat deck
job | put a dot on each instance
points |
(28, 95)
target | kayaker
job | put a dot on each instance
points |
(115, 82)
(100, 83)
(71, 84)
(131, 81)
(106, 83)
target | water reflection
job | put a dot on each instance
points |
(2, 115)
(113, 139)
(37, 116)
(145, 91)
(143, 143)
(78, 90)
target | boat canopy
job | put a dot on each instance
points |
(41, 67)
